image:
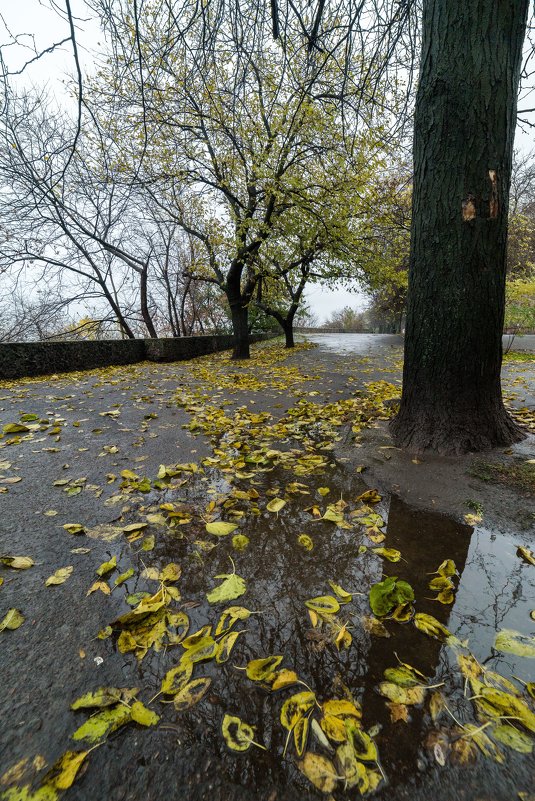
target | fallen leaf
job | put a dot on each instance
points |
(526, 555)
(97, 699)
(99, 585)
(232, 587)
(514, 642)
(63, 772)
(512, 738)
(60, 576)
(276, 505)
(324, 604)
(402, 695)
(74, 528)
(17, 562)
(320, 771)
(221, 529)
(142, 715)
(103, 723)
(191, 694)
(431, 626)
(392, 554)
(345, 597)
(239, 736)
(13, 619)
(398, 712)
(106, 567)
(295, 707)
(263, 669)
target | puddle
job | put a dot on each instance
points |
(495, 590)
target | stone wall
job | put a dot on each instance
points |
(21, 359)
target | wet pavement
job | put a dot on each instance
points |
(132, 418)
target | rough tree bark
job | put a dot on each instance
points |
(463, 142)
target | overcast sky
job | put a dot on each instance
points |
(41, 26)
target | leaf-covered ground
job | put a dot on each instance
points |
(201, 597)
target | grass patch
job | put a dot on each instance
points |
(519, 356)
(519, 475)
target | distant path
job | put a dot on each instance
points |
(362, 343)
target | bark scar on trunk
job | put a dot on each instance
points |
(469, 208)
(493, 202)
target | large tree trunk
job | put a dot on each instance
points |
(289, 334)
(464, 129)
(240, 328)
(288, 326)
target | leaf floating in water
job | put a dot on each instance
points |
(296, 707)
(402, 695)
(221, 529)
(148, 543)
(300, 734)
(225, 646)
(483, 742)
(431, 626)
(398, 712)
(229, 616)
(345, 597)
(446, 568)
(320, 771)
(284, 678)
(497, 703)
(513, 642)
(370, 496)
(403, 676)
(343, 639)
(512, 738)
(239, 736)
(13, 619)
(374, 626)
(276, 505)
(232, 587)
(206, 648)
(392, 554)
(463, 751)
(334, 515)
(390, 593)
(526, 555)
(324, 604)
(363, 745)
(353, 771)
(263, 669)
(132, 527)
(191, 694)
(437, 705)
(124, 577)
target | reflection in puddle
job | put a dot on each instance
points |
(494, 591)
